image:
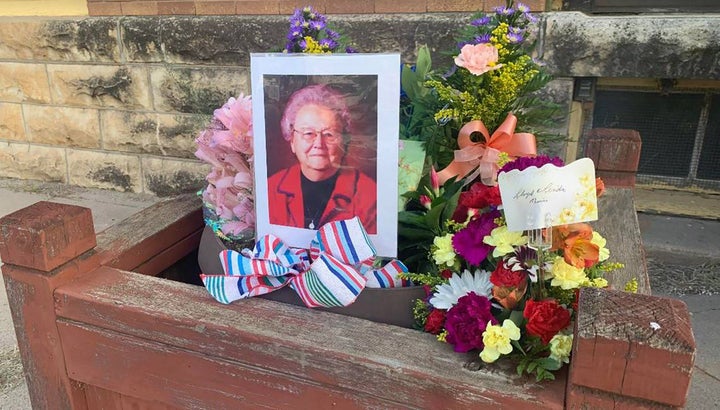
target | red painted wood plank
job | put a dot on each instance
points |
(323, 348)
(140, 368)
(169, 256)
(137, 239)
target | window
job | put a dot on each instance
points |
(680, 132)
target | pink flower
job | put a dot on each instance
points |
(478, 58)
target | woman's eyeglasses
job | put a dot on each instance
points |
(328, 135)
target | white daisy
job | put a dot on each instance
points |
(447, 295)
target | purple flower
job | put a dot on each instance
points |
(462, 44)
(527, 162)
(317, 25)
(296, 21)
(466, 321)
(294, 33)
(326, 42)
(523, 8)
(515, 38)
(468, 242)
(351, 50)
(482, 39)
(480, 22)
(504, 11)
(333, 35)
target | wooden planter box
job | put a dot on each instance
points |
(98, 328)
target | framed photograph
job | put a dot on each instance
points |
(325, 131)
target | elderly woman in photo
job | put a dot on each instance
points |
(319, 187)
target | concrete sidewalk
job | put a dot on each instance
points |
(680, 250)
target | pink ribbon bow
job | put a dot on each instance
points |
(484, 155)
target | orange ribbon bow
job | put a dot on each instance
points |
(484, 155)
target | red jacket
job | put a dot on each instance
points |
(355, 194)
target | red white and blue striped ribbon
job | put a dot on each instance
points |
(342, 266)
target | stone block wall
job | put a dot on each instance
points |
(116, 102)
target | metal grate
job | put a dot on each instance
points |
(680, 134)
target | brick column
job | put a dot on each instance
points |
(43, 247)
(630, 351)
(616, 153)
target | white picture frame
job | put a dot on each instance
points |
(371, 84)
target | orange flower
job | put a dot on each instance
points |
(509, 297)
(599, 187)
(575, 241)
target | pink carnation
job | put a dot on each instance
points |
(478, 58)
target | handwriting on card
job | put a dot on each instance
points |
(566, 194)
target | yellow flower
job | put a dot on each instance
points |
(599, 283)
(598, 240)
(566, 276)
(497, 339)
(560, 347)
(442, 336)
(632, 286)
(443, 252)
(504, 241)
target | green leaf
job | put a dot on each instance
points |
(424, 62)
(416, 233)
(521, 368)
(550, 363)
(517, 317)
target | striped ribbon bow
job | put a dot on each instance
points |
(333, 272)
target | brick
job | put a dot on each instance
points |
(139, 8)
(454, 5)
(287, 7)
(25, 161)
(156, 134)
(21, 82)
(535, 5)
(214, 7)
(400, 6)
(350, 7)
(62, 126)
(100, 86)
(176, 7)
(11, 122)
(46, 235)
(104, 9)
(103, 170)
(633, 345)
(167, 177)
(196, 90)
(252, 7)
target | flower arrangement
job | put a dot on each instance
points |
(226, 143)
(309, 33)
(507, 295)
(497, 291)
(493, 74)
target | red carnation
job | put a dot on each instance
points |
(435, 321)
(479, 196)
(506, 278)
(545, 318)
